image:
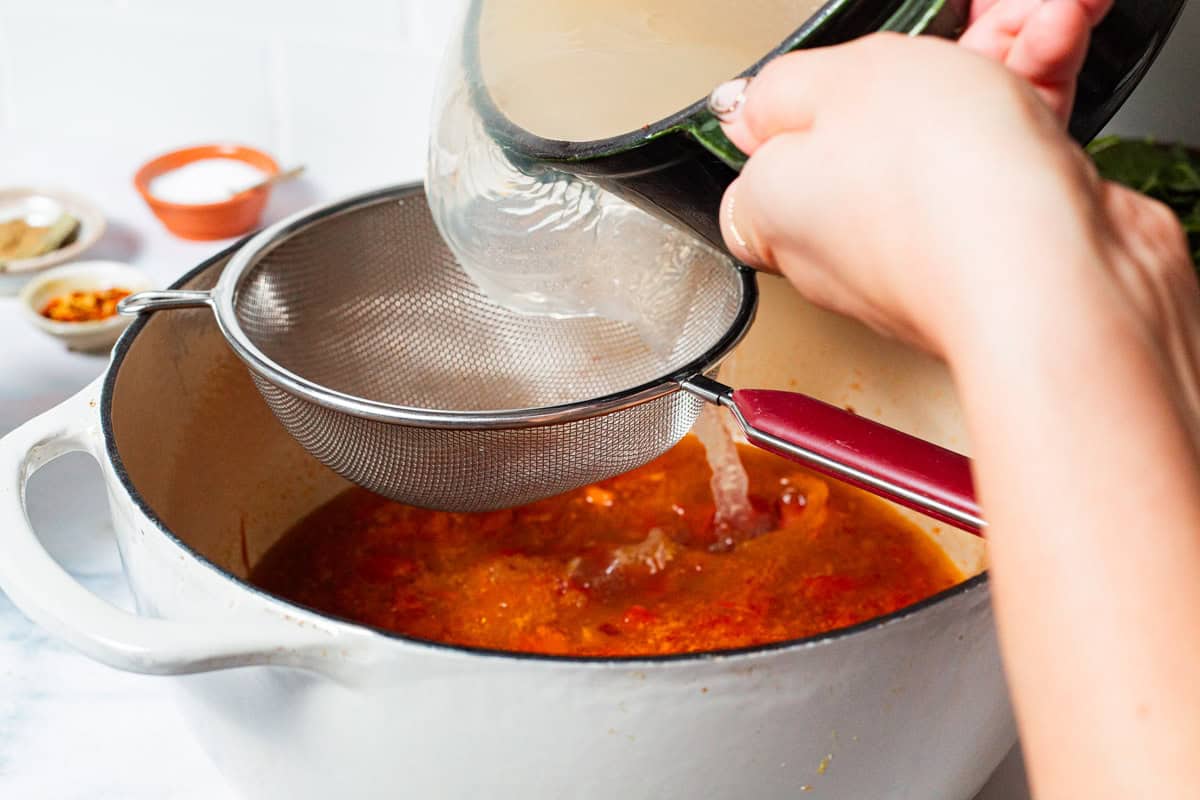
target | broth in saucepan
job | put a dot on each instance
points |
(590, 69)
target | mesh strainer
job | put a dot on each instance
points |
(382, 358)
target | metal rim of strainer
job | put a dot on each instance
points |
(224, 297)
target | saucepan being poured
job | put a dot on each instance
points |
(614, 91)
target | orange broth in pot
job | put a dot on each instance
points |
(633, 566)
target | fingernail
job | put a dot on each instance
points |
(726, 100)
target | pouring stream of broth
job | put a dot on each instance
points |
(546, 242)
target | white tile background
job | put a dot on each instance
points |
(341, 86)
(1167, 103)
(344, 87)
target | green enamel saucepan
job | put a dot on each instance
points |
(678, 167)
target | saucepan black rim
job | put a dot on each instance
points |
(122, 350)
(526, 145)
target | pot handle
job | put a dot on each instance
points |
(884, 461)
(49, 596)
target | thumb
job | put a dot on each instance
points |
(759, 209)
(740, 233)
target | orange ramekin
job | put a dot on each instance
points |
(222, 220)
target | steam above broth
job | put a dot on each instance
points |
(579, 70)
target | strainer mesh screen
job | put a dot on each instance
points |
(369, 302)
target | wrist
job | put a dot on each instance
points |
(1063, 304)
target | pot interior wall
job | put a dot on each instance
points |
(200, 445)
(218, 470)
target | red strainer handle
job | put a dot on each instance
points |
(874, 457)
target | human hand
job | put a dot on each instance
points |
(926, 200)
(1043, 41)
(932, 194)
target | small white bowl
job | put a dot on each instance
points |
(44, 205)
(98, 335)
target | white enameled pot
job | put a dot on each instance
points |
(293, 704)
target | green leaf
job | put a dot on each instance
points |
(1182, 176)
(1191, 220)
(1170, 173)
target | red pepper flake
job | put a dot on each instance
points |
(84, 306)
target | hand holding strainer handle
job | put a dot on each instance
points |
(884, 461)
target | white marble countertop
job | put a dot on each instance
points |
(69, 727)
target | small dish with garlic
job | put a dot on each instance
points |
(41, 228)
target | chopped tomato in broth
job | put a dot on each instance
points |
(634, 565)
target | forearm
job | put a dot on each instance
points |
(1089, 477)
